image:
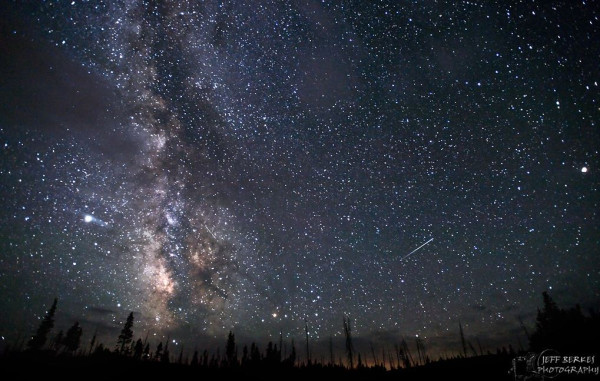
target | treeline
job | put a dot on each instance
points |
(563, 330)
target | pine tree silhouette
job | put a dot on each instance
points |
(564, 330)
(39, 339)
(272, 355)
(254, 354)
(245, 356)
(73, 338)
(126, 335)
(230, 350)
(138, 349)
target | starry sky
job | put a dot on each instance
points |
(251, 166)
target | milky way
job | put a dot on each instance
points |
(235, 165)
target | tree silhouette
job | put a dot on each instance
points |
(158, 353)
(194, 362)
(230, 350)
(166, 356)
(146, 353)
(292, 357)
(408, 359)
(549, 324)
(180, 358)
(254, 354)
(93, 341)
(57, 341)
(331, 356)
(564, 330)
(349, 344)
(245, 357)
(39, 339)
(73, 338)
(126, 335)
(272, 355)
(421, 351)
(99, 349)
(462, 339)
(280, 345)
(307, 347)
(205, 358)
(138, 349)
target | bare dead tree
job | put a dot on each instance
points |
(307, 348)
(349, 344)
(462, 339)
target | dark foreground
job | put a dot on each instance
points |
(27, 366)
(46, 365)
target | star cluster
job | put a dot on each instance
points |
(251, 165)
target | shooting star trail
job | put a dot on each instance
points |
(211, 233)
(415, 250)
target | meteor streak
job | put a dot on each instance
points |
(415, 250)
(211, 233)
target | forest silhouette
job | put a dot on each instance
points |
(567, 331)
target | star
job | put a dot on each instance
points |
(213, 167)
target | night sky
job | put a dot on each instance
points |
(247, 166)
